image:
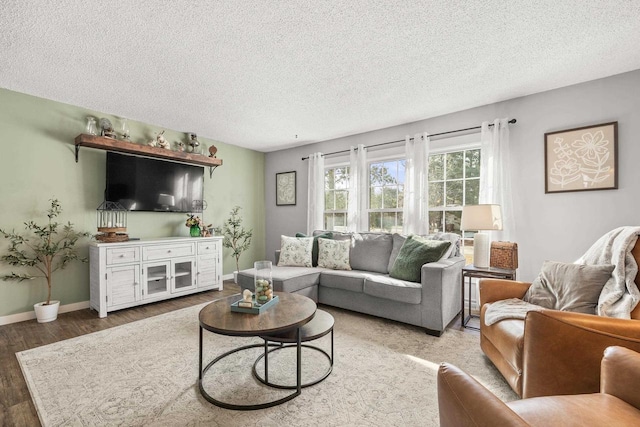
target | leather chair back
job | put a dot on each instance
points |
(635, 314)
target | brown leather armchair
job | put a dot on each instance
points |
(551, 352)
(463, 401)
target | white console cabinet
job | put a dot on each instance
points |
(141, 271)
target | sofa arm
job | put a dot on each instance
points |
(440, 282)
(277, 257)
(620, 371)
(463, 401)
(563, 351)
(492, 290)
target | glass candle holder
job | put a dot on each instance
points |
(91, 126)
(262, 282)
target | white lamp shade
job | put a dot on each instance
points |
(481, 217)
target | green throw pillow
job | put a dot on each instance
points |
(416, 252)
(315, 250)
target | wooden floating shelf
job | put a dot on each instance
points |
(109, 144)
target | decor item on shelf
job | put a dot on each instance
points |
(480, 218)
(584, 158)
(179, 146)
(286, 188)
(106, 129)
(195, 225)
(212, 151)
(124, 130)
(161, 141)
(91, 126)
(262, 281)
(235, 236)
(193, 144)
(47, 248)
(112, 222)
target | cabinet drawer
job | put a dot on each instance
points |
(207, 248)
(123, 255)
(150, 253)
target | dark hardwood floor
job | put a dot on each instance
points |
(16, 407)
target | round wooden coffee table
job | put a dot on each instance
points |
(289, 314)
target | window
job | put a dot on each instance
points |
(454, 181)
(336, 198)
(386, 195)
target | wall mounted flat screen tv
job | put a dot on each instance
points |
(143, 184)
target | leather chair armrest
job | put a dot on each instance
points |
(562, 350)
(620, 371)
(463, 401)
(492, 290)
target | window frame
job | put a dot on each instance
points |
(325, 211)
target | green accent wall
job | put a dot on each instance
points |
(37, 163)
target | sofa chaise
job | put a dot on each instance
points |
(367, 288)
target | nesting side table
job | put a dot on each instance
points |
(472, 272)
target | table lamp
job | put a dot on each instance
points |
(479, 218)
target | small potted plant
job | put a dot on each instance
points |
(44, 249)
(235, 236)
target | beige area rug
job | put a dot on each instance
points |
(145, 373)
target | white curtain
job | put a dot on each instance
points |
(315, 199)
(358, 183)
(495, 175)
(415, 213)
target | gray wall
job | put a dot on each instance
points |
(557, 226)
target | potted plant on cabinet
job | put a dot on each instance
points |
(235, 236)
(45, 249)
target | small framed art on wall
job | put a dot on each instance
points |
(581, 159)
(285, 188)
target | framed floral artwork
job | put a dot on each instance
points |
(581, 159)
(286, 188)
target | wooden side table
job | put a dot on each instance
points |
(472, 272)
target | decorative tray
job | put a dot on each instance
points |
(256, 309)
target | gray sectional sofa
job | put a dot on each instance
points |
(432, 303)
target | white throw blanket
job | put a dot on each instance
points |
(512, 308)
(620, 294)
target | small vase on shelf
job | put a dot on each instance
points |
(194, 231)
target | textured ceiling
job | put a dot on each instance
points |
(256, 73)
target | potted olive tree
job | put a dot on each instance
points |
(44, 249)
(235, 236)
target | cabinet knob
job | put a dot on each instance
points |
(169, 251)
(121, 255)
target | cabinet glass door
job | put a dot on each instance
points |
(156, 279)
(183, 275)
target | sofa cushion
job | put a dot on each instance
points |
(339, 279)
(295, 251)
(371, 251)
(285, 279)
(569, 287)
(398, 241)
(314, 250)
(415, 252)
(334, 254)
(393, 289)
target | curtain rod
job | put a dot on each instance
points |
(402, 140)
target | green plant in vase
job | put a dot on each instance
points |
(44, 249)
(235, 236)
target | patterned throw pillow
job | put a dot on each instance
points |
(295, 251)
(334, 254)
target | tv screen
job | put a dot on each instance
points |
(143, 184)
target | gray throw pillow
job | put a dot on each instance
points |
(569, 287)
(416, 252)
(370, 251)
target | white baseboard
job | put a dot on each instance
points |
(29, 315)
(227, 276)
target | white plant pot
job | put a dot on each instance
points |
(235, 277)
(46, 313)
